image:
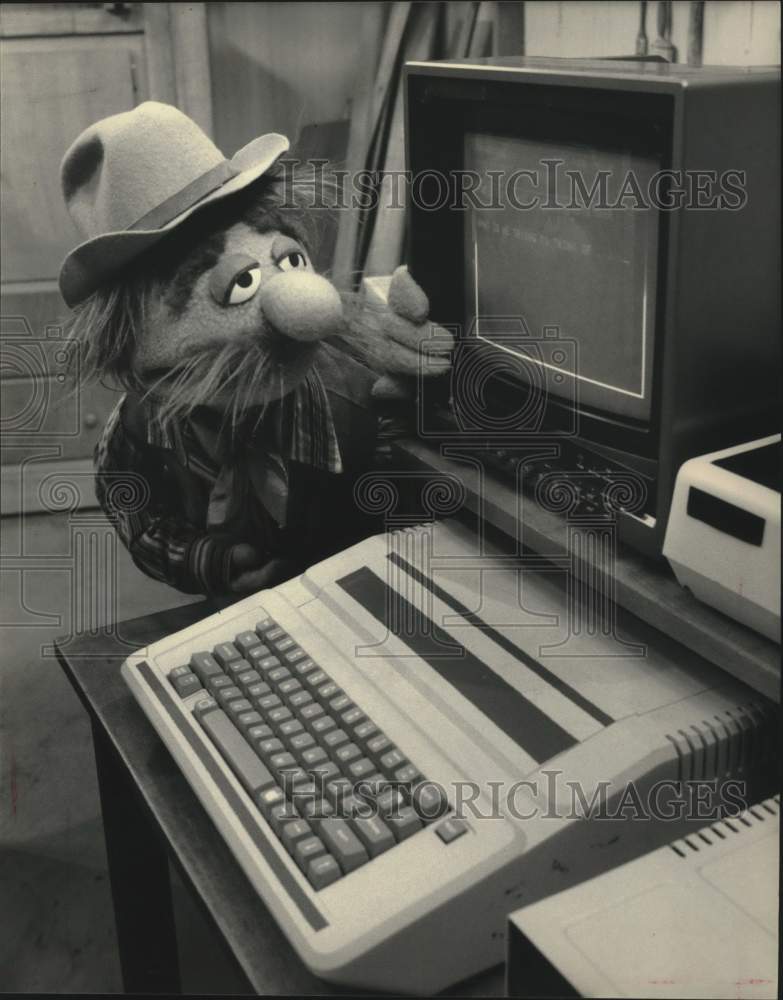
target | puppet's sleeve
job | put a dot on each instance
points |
(160, 541)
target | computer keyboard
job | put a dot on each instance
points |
(375, 741)
(331, 784)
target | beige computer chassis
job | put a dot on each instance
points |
(425, 915)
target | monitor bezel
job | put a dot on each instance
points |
(442, 109)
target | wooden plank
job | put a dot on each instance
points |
(159, 50)
(191, 61)
(374, 79)
(642, 586)
(384, 251)
(509, 35)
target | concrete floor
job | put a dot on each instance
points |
(56, 920)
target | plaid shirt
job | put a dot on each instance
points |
(285, 488)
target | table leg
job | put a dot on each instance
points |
(139, 875)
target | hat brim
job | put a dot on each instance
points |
(91, 263)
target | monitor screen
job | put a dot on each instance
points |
(541, 248)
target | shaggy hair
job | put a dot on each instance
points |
(107, 325)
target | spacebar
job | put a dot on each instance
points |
(237, 753)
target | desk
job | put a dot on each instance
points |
(151, 815)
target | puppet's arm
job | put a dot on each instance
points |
(160, 541)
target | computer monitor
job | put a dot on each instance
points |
(603, 235)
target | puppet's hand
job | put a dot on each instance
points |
(408, 345)
(248, 574)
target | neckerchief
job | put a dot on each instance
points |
(252, 460)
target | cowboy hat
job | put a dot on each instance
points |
(130, 179)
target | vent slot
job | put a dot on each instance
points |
(732, 743)
(750, 817)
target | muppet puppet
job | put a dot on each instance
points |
(254, 390)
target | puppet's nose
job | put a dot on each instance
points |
(303, 306)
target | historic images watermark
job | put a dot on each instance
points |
(546, 184)
(548, 796)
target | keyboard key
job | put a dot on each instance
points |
(389, 801)
(315, 811)
(300, 742)
(306, 850)
(323, 724)
(256, 654)
(324, 771)
(371, 787)
(429, 800)
(337, 789)
(374, 834)
(378, 745)
(251, 772)
(265, 625)
(391, 760)
(299, 699)
(218, 681)
(245, 641)
(228, 694)
(362, 733)
(290, 728)
(327, 691)
(204, 705)
(315, 755)
(268, 748)
(274, 634)
(404, 822)
(343, 844)
(281, 760)
(407, 775)
(346, 753)
(301, 667)
(336, 738)
(204, 665)
(185, 682)
(247, 720)
(267, 663)
(340, 704)
(237, 667)
(352, 807)
(225, 653)
(258, 690)
(295, 654)
(323, 871)
(248, 678)
(268, 799)
(290, 687)
(278, 674)
(237, 706)
(281, 815)
(352, 718)
(283, 644)
(268, 702)
(292, 778)
(296, 830)
(278, 715)
(450, 829)
(310, 712)
(362, 768)
(314, 679)
(258, 733)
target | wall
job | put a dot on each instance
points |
(745, 32)
(277, 67)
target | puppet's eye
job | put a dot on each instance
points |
(294, 261)
(244, 286)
